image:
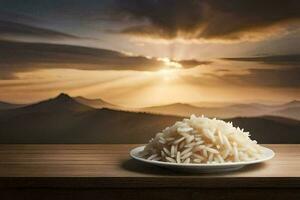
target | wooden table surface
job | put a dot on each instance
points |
(109, 166)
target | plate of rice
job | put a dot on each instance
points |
(204, 145)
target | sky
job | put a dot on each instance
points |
(139, 53)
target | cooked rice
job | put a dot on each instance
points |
(202, 140)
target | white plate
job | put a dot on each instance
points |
(204, 168)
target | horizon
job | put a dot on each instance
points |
(195, 104)
(71, 106)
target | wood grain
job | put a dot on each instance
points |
(107, 164)
(109, 167)
(114, 161)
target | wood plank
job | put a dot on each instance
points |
(99, 165)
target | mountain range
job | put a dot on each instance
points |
(95, 103)
(64, 119)
(289, 110)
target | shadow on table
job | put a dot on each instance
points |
(139, 167)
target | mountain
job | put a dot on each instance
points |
(64, 120)
(294, 103)
(5, 105)
(179, 109)
(292, 112)
(220, 112)
(229, 111)
(59, 106)
(61, 103)
(95, 103)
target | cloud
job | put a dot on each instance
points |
(10, 29)
(18, 57)
(229, 20)
(285, 72)
(208, 19)
(293, 59)
(22, 57)
(54, 9)
(22, 18)
(282, 77)
(193, 63)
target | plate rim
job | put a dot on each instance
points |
(232, 164)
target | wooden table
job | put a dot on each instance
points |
(106, 172)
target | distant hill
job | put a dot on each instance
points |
(5, 105)
(292, 112)
(179, 109)
(294, 103)
(221, 112)
(95, 103)
(64, 120)
(288, 110)
(61, 103)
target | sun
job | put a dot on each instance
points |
(170, 63)
(167, 74)
(170, 71)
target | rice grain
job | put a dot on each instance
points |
(202, 140)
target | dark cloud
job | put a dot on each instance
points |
(208, 19)
(57, 9)
(18, 17)
(22, 57)
(189, 19)
(15, 30)
(193, 63)
(275, 59)
(19, 56)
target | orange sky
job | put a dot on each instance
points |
(135, 59)
(138, 89)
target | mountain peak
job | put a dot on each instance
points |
(61, 103)
(63, 96)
